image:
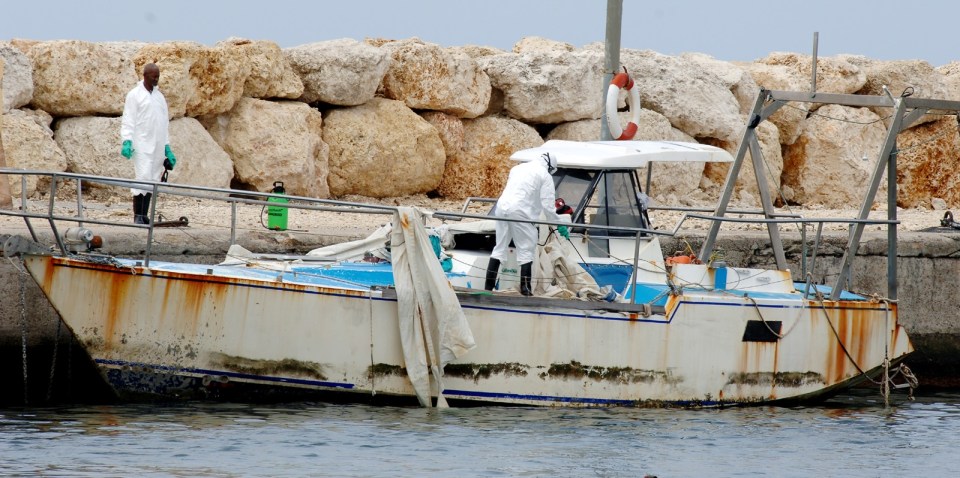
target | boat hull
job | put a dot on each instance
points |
(176, 334)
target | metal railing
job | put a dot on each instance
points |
(235, 197)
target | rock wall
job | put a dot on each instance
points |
(325, 118)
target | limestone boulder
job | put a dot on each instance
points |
(916, 78)
(534, 44)
(695, 100)
(27, 144)
(17, 84)
(735, 78)
(951, 79)
(549, 87)
(450, 129)
(200, 160)
(23, 44)
(478, 51)
(831, 161)
(927, 164)
(76, 78)
(481, 167)
(197, 80)
(271, 75)
(262, 153)
(746, 188)
(92, 146)
(792, 72)
(679, 179)
(339, 72)
(425, 76)
(382, 149)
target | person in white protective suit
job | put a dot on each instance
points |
(528, 193)
(144, 130)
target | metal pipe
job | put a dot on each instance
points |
(466, 202)
(152, 218)
(721, 209)
(803, 250)
(445, 215)
(758, 212)
(53, 226)
(80, 201)
(233, 222)
(813, 77)
(611, 57)
(832, 220)
(816, 248)
(636, 268)
(892, 281)
(649, 177)
(23, 207)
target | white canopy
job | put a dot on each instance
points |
(621, 154)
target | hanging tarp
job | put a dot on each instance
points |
(433, 328)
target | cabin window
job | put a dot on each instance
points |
(615, 203)
(612, 202)
(572, 185)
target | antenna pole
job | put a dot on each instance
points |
(813, 75)
(611, 57)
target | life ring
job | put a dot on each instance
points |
(620, 81)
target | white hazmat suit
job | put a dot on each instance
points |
(146, 123)
(528, 193)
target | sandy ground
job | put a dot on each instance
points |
(210, 214)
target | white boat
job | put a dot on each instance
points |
(613, 322)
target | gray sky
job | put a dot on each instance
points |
(728, 30)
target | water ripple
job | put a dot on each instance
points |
(853, 435)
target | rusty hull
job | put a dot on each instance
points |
(209, 331)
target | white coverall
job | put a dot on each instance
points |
(146, 122)
(529, 192)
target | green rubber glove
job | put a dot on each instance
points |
(564, 232)
(169, 153)
(127, 150)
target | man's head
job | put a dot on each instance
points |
(151, 76)
(551, 162)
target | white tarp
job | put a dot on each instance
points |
(237, 255)
(355, 250)
(557, 273)
(433, 329)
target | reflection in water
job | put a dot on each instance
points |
(853, 435)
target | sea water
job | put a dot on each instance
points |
(850, 436)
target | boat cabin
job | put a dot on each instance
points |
(600, 182)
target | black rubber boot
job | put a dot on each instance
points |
(145, 207)
(526, 271)
(137, 207)
(493, 267)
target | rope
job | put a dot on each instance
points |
(765, 324)
(53, 361)
(887, 379)
(23, 327)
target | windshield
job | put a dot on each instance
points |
(614, 203)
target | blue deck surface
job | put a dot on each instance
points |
(364, 275)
